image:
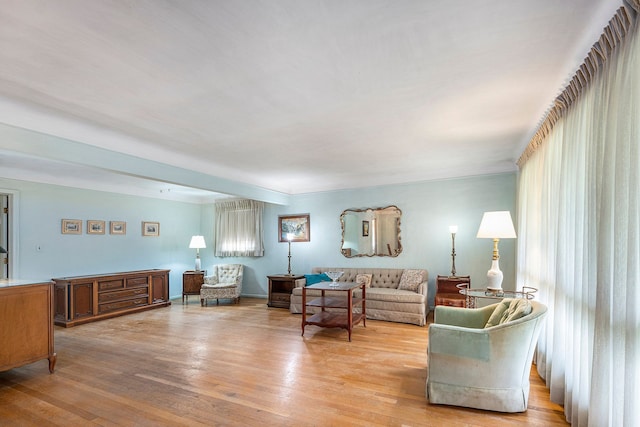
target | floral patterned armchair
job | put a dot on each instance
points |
(224, 283)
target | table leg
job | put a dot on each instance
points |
(304, 308)
(350, 312)
(364, 306)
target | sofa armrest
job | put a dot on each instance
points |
(423, 289)
(299, 283)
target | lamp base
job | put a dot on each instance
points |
(494, 277)
(198, 265)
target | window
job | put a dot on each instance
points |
(239, 228)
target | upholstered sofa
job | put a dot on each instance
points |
(481, 358)
(386, 297)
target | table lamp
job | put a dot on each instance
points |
(197, 243)
(496, 226)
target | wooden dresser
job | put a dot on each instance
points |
(83, 299)
(26, 323)
(447, 291)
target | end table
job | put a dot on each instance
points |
(448, 291)
(280, 287)
(191, 283)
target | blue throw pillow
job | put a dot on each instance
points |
(312, 279)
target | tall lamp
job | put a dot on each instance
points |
(496, 226)
(197, 243)
(289, 239)
(453, 229)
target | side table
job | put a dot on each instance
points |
(345, 317)
(280, 287)
(448, 291)
(191, 283)
(472, 295)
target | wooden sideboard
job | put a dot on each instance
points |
(83, 299)
(26, 324)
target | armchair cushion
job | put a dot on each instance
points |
(507, 310)
(229, 273)
(219, 286)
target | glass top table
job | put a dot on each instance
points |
(473, 294)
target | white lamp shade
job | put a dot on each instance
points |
(496, 225)
(197, 242)
(453, 229)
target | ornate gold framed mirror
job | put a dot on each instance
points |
(371, 232)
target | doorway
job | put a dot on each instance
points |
(4, 236)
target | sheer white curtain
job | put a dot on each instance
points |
(579, 243)
(239, 228)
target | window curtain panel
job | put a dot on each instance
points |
(239, 229)
(579, 244)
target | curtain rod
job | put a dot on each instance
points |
(619, 26)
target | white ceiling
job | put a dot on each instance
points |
(291, 96)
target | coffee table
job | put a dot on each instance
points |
(342, 299)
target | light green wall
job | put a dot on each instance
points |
(41, 208)
(428, 209)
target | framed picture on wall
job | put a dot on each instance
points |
(296, 227)
(118, 227)
(150, 228)
(365, 228)
(95, 226)
(71, 226)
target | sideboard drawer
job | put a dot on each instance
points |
(118, 295)
(133, 282)
(119, 305)
(108, 285)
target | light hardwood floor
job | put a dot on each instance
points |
(239, 365)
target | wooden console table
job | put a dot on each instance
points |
(83, 299)
(26, 323)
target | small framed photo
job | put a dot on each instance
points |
(71, 226)
(150, 228)
(118, 227)
(294, 228)
(365, 228)
(95, 226)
